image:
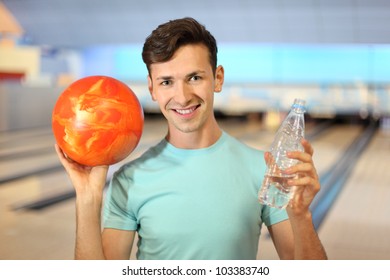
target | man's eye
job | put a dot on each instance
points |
(165, 83)
(195, 78)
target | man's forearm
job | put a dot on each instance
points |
(307, 242)
(88, 228)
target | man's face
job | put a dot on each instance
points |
(184, 88)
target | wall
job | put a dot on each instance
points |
(20, 60)
(26, 107)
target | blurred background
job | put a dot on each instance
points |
(335, 54)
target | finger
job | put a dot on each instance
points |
(302, 168)
(66, 161)
(60, 154)
(63, 159)
(305, 184)
(268, 158)
(99, 173)
(307, 146)
(301, 156)
(301, 181)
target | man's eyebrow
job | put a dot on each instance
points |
(194, 73)
(164, 78)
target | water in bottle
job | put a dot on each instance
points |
(275, 191)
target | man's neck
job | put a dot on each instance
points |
(198, 139)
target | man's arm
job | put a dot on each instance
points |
(307, 243)
(117, 244)
(283, 239)
(89, 184)
(297, 238)
(91, 243)
(299, 242)
(88, 227)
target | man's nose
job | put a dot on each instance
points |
(183, 94)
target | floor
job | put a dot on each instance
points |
(356, 227)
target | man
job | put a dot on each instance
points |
(194, 195)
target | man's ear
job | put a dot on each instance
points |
(219, 78)
(150, 87)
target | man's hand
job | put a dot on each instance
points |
(306, 184)
(84, 178)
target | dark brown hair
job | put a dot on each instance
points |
(167, 38)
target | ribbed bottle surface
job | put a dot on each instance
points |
(274, 191)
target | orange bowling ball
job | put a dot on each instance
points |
(97, 120)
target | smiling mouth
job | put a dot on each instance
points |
(186, 111)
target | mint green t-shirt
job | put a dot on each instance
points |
(192, 204)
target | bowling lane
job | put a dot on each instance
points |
(26, 153)
(358, 225)
(49, 232)
(327, 149)
(21, 135)
(331, 145)
(46, 234)
(24, 143)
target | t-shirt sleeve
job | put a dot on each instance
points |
(117, 212)
(270, 215)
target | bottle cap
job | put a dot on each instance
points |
(299, 104)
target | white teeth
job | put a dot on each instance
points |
(184, 112)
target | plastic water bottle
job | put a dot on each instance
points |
(274, 191)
